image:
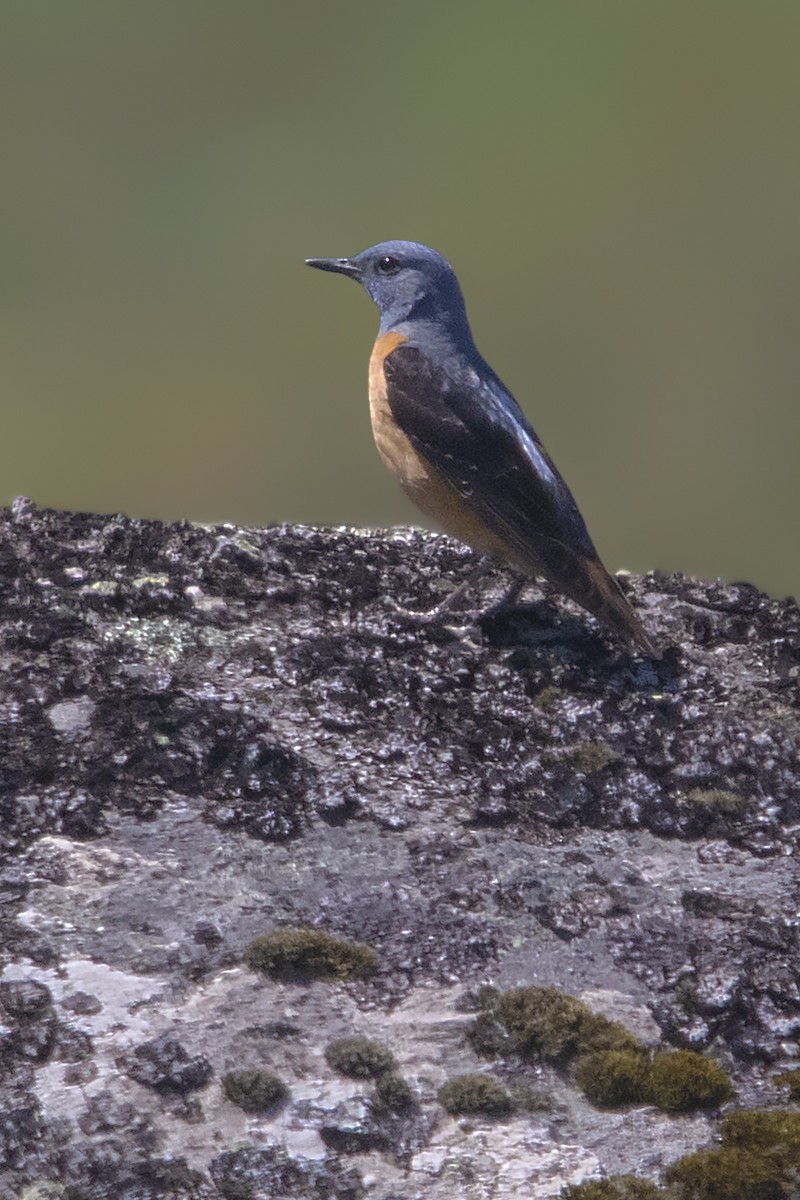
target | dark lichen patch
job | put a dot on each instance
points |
(249, 1173)
(698, 903)
(31, 1030)
(393, 1095)
(546, 1025)
(359, 1058)
(164, 1064)
(618, 1187)
(123, 593)
(300, 955)
(255, 1091)
(613, 1078)
(683, 1081)
(256, 784)
(734, 974)
(790, 1080)
(475, 1095)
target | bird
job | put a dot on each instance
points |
(459, 444)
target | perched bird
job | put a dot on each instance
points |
(458, 442)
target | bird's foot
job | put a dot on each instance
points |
(434, 615)
(508, 599)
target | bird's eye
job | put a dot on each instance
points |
(388, 265)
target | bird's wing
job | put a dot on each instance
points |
(475, 436)
(471, 430)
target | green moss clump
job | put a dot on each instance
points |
(716, 802)
(528, 1098)
(675, 1081)
(487, 1036)
(549, 696)
(759, 1159)
(359, 1058)
(590, 757)
(790, 1079)
(486, 997)
(587, 758)
(682, 1081)
(618, 1187)
(300, 955)
(726, 1174)
(393, 1095)
(475, 1095)
(763, 1130)
(255, 1091)
(612, 1078)
(549, 1025)
(612, 1068)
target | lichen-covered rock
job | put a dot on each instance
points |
(213, 734)
(271, 1172)
(165, 1065)
(29, 1027)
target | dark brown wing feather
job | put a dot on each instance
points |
(471, 430)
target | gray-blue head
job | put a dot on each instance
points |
(409, 282)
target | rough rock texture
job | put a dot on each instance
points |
(207, 733)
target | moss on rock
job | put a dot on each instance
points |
(255, 1091)
(763, 1129)
(359, 1058)
(610, 1065)
(612, 1078)
(716, 802)
(300, 955)
(548, 1025)
(618, 1187)
(729, 1173)
(683, 1081)
(475, 1095)
(393, 1095)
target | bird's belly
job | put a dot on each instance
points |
(418, 479)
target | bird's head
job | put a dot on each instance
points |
(407, 281)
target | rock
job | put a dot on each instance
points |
(210, 734)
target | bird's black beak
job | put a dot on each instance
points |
(342, 266)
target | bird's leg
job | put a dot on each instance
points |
(508, 599)
(451, 600)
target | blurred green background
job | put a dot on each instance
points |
(616, 183)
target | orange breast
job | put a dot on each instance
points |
(418, 479)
